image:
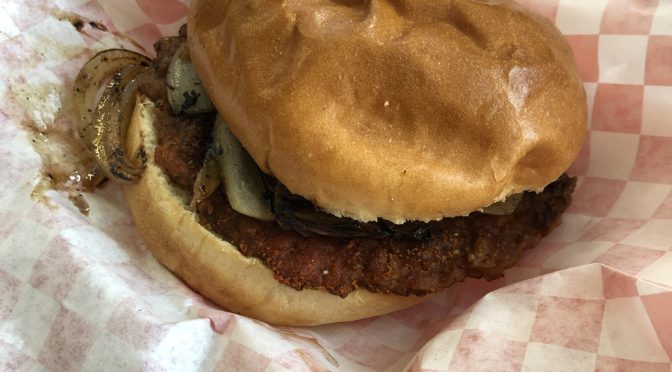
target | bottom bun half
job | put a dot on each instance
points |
(214, 267)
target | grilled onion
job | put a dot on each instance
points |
(185, 90)
(207, 180)
(242, 179)
(504, 207)
(111, 119)
(92, 77)
(103, 125)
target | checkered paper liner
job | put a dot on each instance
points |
(80, 293)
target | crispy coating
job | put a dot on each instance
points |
(478, 245)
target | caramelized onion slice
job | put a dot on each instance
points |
(110, 122)
(185, 89)
(207, 180)
(504, 207)
(91, 78)
(242, 179)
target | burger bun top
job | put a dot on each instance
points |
(394, 109)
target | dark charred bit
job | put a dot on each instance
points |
(141, 155)
(190, 99)
(77, 23)
(119, 173)
(98, 26)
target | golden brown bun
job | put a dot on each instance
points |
(215, 268)
(401, 109)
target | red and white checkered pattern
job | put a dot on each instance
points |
(82, 293)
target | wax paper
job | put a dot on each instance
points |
(82, 293)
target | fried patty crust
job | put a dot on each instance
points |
(478, 245)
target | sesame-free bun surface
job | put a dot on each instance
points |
(400, 109)
(215, 268)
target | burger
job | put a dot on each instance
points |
(310, 162)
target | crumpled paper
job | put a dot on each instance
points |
(82, 293)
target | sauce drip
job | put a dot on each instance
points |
(45, 110)
(66, 165)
